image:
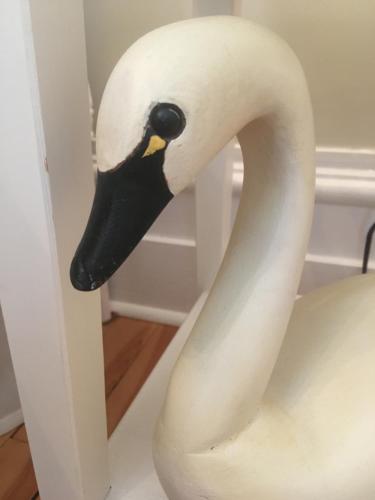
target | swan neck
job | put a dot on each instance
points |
(219, 381)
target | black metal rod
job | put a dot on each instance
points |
(366, 253)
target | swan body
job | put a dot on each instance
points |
(313, 436)
(269, 399)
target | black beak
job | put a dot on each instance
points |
(127, 201)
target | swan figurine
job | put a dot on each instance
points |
(271, 398)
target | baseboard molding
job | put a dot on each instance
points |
(333, 260)
(148, 313)
(320, 270)
(11, 421)
(161, 239)
(343, 176)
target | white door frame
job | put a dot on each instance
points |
(46, 189)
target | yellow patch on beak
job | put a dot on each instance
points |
(156, 143)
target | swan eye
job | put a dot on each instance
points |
(167, 120)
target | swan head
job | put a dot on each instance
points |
(174, 99)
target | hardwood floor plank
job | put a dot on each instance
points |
(12, 433)
(20, 434)
(123, 339)
(127, 388)
(4, 437)
(17, 478)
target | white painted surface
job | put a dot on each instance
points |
(320, 271)
(10, 406)
(55, 339)
(213, 203)
(165, 316)
(178, 219)
(105, 304)
(335, 43)
(343, 176)
(160, 274)
(132, 471)
(212, 7)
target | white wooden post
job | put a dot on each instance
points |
(213, 204)
(46, 188)
(213, 193)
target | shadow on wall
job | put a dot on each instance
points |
(10, 407)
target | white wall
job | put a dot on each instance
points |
(10, 406)
(161, 272)
(335, 41)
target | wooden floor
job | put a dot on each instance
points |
(131, 350)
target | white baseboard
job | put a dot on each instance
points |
(11, 421)
(343, 176)
(320, 270)
(333, 260)
(148, 313)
